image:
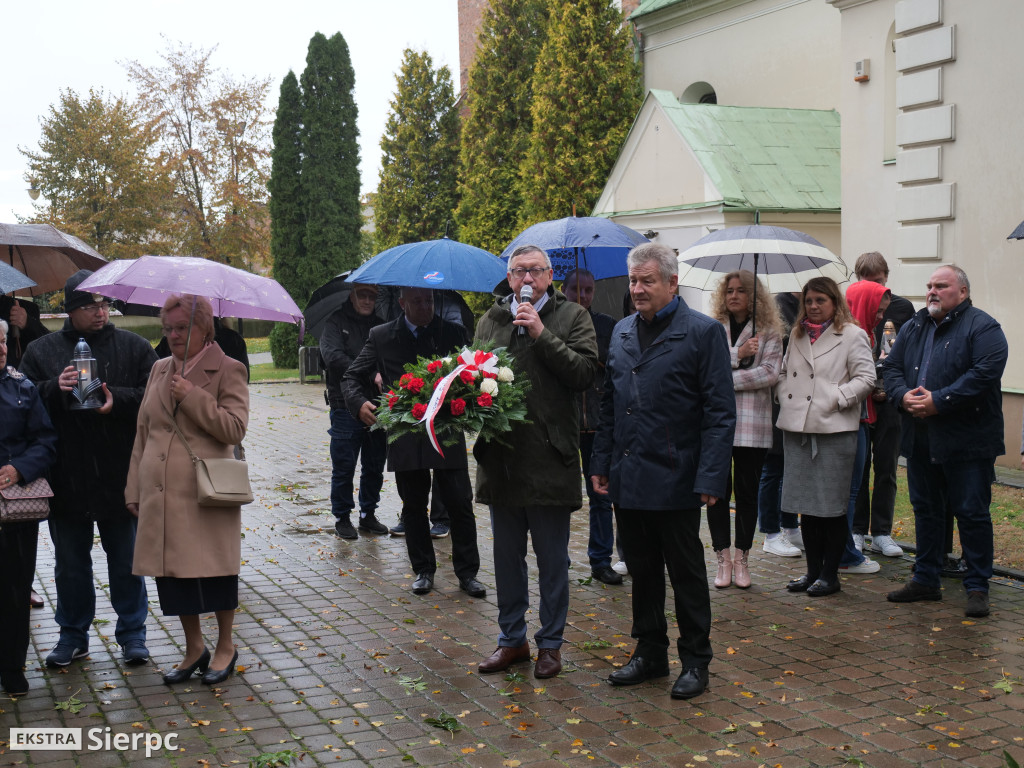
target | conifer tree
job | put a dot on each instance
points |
(496, 134)
(586, 91)
(330, 164)
(416, 196)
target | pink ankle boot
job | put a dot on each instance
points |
(724, 577)
(740, 573)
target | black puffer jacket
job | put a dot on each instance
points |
(93, 450)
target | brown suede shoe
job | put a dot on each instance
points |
(504, 657)
(549, 663)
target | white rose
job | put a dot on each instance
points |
(446, 360)
(489, 386)
(505, 374)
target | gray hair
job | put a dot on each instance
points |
(3, 328)
(961, 276)
(666, 258)
(524, 249)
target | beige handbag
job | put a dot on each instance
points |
(25, 503)
(220, 482)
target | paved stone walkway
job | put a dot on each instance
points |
(342, 666)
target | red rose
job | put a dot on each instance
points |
(418, 409)
(467, 377)
(438, 383)
(435, 366)
(415, 386)
(404, 381)
(489, 375)
(458, 406)
(484, 400)
(392, 398)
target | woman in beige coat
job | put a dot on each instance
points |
(193, 552)
(827, 373)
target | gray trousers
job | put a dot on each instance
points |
(548, 528)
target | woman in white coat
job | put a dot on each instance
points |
(827, 373)
(756, 359)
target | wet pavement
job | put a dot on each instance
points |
(341, 665)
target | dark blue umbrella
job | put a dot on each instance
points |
(441, 264)
(599, 245)
(1018, 233)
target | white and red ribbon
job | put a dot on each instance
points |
(470, 360)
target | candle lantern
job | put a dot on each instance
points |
(87, 390)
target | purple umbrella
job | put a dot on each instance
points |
(232, 292)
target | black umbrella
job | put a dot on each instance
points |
(46, 255)
(325, 301)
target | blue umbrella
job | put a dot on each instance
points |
(1018, 233)
(599, 245)
(442, 264)
(12, 280)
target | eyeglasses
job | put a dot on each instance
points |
(93, 309)
(520, 272)
(181, 330)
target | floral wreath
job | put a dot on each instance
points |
(476, 392)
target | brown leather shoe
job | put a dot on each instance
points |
(504, 657)
(549, 663)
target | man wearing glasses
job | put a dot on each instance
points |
(94, 449)
(532, 482)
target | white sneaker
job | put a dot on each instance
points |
(858, 541)
(868, 566)
(794, 537)
(779, 545)
(620, 567)
(886, 546)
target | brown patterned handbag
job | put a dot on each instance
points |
(25, 503)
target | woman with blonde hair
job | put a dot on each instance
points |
(755, 347)
(196, 402)
(827, 373)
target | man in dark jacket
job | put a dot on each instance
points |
(419, 333)
(944, 371)
(94, 449)
(662, 450)
(532, 483)
(22, 317)
(578, 287)
(876, 504)
(343, 338)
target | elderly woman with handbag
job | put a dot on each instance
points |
(826, 374)
(27, 449)
(196, 405)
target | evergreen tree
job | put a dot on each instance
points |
(416, 196)
(586, 92)
(287, 213)
(330, 164)
(496, 134)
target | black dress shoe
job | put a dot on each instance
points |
(181, 674)
(14, 682)
(801, 584)
(472, 587)
(423, 584)
(606, 575)
(218, 676)
(638, 670)
(692, 682)
(820, 588)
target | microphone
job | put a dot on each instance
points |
(525, 297)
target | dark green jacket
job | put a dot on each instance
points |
(542, 467)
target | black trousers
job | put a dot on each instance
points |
(654, 541)
(875, 504)
(824, 544)
(456, 492)
(17, 568)
(745, 477)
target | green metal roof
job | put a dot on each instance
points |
(650, 6)
(763, 158)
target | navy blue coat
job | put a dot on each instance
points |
(964, 373)
(28, 441)
(668, 414)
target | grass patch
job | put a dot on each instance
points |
(267, 372)
(1007, 512)
(255, 346)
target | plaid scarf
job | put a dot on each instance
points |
(813, 329)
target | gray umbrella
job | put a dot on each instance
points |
(12, 280)
(47, 255)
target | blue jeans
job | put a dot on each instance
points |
(349, 436)
(602, 532)
(76, 589)
(966, 486)
(771, 518)
(851, 556)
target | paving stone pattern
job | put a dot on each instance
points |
(343, 666)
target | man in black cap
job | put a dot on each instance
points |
(94, 449)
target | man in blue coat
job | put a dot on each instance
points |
(944, 372)
(662, 450)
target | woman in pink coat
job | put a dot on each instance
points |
(756, 358)
(192, 551)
